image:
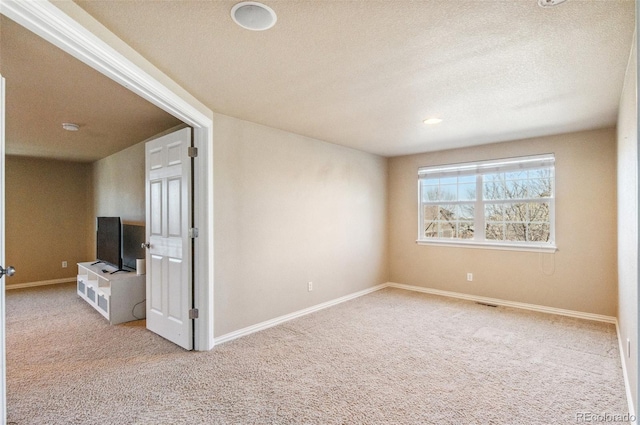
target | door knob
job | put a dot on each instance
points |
(9, 271)
(145, 245)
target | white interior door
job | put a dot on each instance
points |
(3, 368)
(169, 245)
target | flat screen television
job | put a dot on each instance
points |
(109, 237)
(133, 236)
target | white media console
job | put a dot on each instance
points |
(120, 297)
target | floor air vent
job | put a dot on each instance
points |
(486, 304)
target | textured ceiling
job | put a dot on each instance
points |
(46, 87)
(366, 73)
(363, 74)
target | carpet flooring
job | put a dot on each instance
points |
(390, 357)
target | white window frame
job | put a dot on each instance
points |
(479, 169)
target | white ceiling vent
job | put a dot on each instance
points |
(253, 16)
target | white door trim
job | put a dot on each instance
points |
(3, 362)
(50, 23)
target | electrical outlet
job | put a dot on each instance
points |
(470, 277)
(64, 264)
(310, 286)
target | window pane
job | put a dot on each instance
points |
(430, 221)
(448, 192)
(539, 188)
(448, 213)
(431, 229)
(495, 232)
(515, 212)
(465, 229)
(539, 212)
(539, 232)
(467, 192)
(467, 179)
(466, 211)
(430, 212)
(493, 212)
(494, 186)
(515, 189)
(493, 177)
(449, 180)
(447, 229)
(516, 232)
(430, 193)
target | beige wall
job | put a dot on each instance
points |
(288, 210)
(118, 189)
(47, 203)
(584, 267)
(628, 221)
(118, 185)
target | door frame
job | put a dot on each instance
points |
(52, 24)
(3, 363)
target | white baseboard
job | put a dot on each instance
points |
(525, 306)
(627, 387)
(505, 303)
(278, 320)
(40, 283)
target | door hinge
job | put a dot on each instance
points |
(193, 232)
(192, 151)
(193, 313)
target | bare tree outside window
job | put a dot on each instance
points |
(520, 212)
(508, 201)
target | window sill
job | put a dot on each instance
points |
(490, 245)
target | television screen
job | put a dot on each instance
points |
(108, 241)
(133, 236)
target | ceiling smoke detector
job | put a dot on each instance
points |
(69, 126)
(550, 3)
(253, 16)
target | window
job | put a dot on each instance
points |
(507, 203)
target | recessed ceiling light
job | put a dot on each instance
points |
(549, 3)
(432, 121)
(69, 126)
(253, 16)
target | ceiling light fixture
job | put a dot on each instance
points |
(432, 121)
(253, 16)
(69, 126)
(549, 3)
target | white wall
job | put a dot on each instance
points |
(289, 210)
(628, 221)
